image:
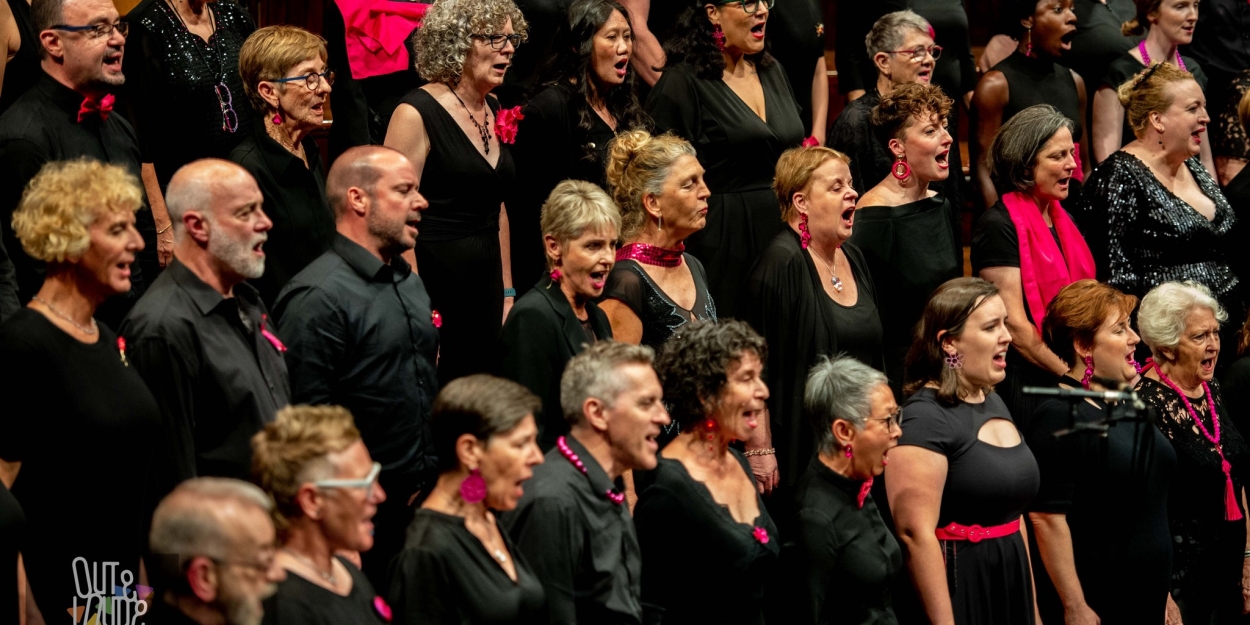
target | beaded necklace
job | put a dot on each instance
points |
(651, 254)
(482, 128)
(1231, 512)
(1145, 56)
(612, 494)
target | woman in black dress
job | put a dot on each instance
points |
(962, 477)
(909, 234)
(798, 43)
(76, 408)
(735, 106)
(1093, 479)
(1206, 510)
(1031, 75)
(809, 295)
(314, 466)
(702, 526)
(457, 567)
(451, 131)
(567, 127)
(558, 318)
(285, 77)
(20, 50)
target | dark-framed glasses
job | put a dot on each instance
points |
(892, 420)
(312, 80)
(229, 119)
(917, 54)
(96, 31)
(366, 482)
(497, 41)
(751, 7)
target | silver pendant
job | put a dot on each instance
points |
(837, 282)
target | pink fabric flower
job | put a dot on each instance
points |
(506, 124)
(810, 142)
(384, 610)
(436, 319)
(761, 535)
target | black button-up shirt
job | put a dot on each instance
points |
(579, 543)
(217, 378)
(361, 336)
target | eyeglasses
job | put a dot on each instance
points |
(497, 41)
(311, 80)
(366, 482)
(96, 31)
(751, 7)
(918, 53)
(892, 420)
(229, 119)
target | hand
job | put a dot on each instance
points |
(1080, 615)
(164, 249)
(765, 470)
(507, 308)
(1172, 614)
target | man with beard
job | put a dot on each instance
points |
(213, 549)
(362, 334)
(67, 114)
(201, 337)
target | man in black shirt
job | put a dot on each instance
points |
(67, 114)
(572, 524)
(361, 332)
(200, 337)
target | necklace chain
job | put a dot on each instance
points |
(482, 128)
(833, 278)
(327, 577)
(89, 331)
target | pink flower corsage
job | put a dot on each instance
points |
(436, 318)
(506, 124)
(761, 535)
(810, 142)
(121, 349)
(383, 610)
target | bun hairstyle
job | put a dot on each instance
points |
(1148, 92)
(1136, 27)
(638, 164)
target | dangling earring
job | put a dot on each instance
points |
(955, 361)
(848, 450)
(1028, 44)
(805, 237)
(473, 488)
(718, 36)
(556, 275)
(277, 119)
(711, 428)
(901, 170)
(1089, 372)
(660, 225)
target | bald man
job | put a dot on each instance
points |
(359, 326)
(201, 337)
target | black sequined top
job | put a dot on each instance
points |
(171, 78)
(660, 315)
(1143, 235)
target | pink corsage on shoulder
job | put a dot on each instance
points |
(383, 610)
(810, 142)
(506, 124)
(761, 535)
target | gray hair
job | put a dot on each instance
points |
(1162, 313)
(592, 373)
(188, 523)
(888, 33)
(576, 206)
(839, 388)
(44, 14)
(192, 188)
(1013, 154)
(443, 42)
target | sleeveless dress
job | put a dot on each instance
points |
(1041, 80)
(458, 253)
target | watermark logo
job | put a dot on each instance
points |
(101, 599)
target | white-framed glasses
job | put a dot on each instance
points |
(366, 482)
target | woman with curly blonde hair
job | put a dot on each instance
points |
(455, 134)
(76, 409)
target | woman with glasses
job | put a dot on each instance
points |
(286, 80)
(457, 137)
(324, 485)
(729, 98)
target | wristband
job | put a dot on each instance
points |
(509, 292)
(760, 452)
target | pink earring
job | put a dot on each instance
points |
(1028, 45)
(711, 427)
(848, 450)
(955, 361)
(473, 488)
(805, 237)
(556, 275)
(277, 119)
(1089, 372)
(901, 170)
(719, 36)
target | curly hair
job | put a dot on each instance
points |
(445, 38)
(1076, 313)
(693, 44)
(62, 201)
(1149, 92)
(294, 450)
(794, 172)
(946, 312)
(270, 52)
(695, 362)
(638, 164)
(905, 106)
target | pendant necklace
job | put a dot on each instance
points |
(833, 278)
(89, 331)
(482, 128)
(327, 577)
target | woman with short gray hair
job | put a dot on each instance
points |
(846, 558)
(1180, 321)
(1028, 245)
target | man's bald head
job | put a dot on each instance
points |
(360, 167)
(206, 517)
(200, 186)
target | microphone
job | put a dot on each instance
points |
(1052, 391)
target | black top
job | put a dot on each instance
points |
(217, 380)
(581, 544)
(12, 541)
(629, 284)
(360, 335)
(852, 135)
(1126, 66)
(75, 416)
(855, 19)
(301, 602)
(1098, 40)
(445, 576)
(905, 273)
(796, 38)
(295, 199)
(662, 18)
(956, 71)
(544, 18)
(1119, 480)
(694, 550)
(846, 560)
(1224, 47)
(541, 335)
(1040, 80)
(171, 81)
(995, 242)
(1238, 195)
(21, 71)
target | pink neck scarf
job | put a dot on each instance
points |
(1044, 269)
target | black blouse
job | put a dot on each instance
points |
(445, 576)
(1040, 80)
(660, 315)
(301, 602)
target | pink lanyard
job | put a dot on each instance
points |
(1231, 511)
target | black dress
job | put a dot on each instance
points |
(301, 602)
(1119, 480)
(12, 541)
(23, 69)
(910, 250)
(956, 73)
(1238, 195)
(796, 37)
(629, 284)
(1126, 66)
(445, 576)
(699, 565)
(171, 81)
(458, 251)
(1098, 40)
(989, 581)
(1041, 80)
(84, 427)
(739, 152)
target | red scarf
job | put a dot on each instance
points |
(1044, 268)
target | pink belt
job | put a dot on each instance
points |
(976, 533)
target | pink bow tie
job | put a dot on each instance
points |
(89, 107)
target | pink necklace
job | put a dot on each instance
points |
(1145, 56)
(1231, 512)
(612, 494)
(651, 254)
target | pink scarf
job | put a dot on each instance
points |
(1044, 269)
(376, 32)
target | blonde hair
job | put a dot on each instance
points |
(1148, 92)
(576, 206)
(62, 201)
(444, 39)
(270, 52)
(294, 450)
(638, 164)
(794, 172)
